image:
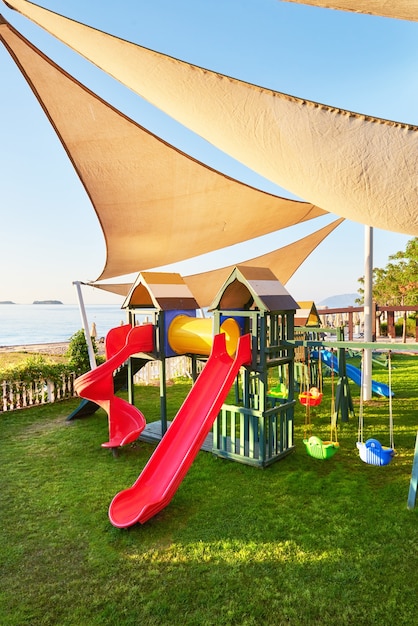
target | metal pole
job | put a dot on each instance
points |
(412, 496)
(368, 316)
(92, 356)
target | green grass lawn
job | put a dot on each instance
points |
(301, 542)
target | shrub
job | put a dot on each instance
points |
(410, 327)
(36, 367)
(78, 354)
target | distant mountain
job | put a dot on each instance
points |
(6, 302)
(47, 302)
(339, 302)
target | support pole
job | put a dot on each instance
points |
(412, 497)
(368, 316)
(92, 357)
(161, 330)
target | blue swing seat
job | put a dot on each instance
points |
(373, 453)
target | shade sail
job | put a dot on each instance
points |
(282, 262)
(359, 167)
(156, 205)
(120, 289)
(401, 9)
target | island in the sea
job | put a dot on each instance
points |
(6, 302)
(47, 302)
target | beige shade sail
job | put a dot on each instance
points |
(156, 205)
(283, 262)
(400, 9)
(119, 289)
(359, 167)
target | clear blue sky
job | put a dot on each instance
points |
(50, 235)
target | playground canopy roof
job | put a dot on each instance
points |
(354, 165)
(155, 204)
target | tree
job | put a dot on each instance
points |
(397, 283)
(406, 272)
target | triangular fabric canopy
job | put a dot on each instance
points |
(400, 9)
(155, 204)
(356, 166)
(283, 263)
(119, 289)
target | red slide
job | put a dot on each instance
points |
(172, 458)
(126, 422)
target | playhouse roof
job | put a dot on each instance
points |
(253, 287)
(307, 315)
(165, 291)
(351, 164)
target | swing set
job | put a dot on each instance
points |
(372, 451)
(316, 447)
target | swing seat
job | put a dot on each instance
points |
(313, 397)
(280, 391)
(373, 453)
(318, 449)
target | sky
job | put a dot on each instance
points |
(50, 235)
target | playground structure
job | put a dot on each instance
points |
(242, 343)
(249, 341)
(309, 356)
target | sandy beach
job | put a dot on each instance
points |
(55, 349)
(38, 348)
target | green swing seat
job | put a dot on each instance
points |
(280, 391)
(318, 449)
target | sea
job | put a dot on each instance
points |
(26, 324)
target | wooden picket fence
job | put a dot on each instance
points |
(20, 395)
(176, 367)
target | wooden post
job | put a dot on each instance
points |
(350, 325)
(163, 371)
(374, 309)
(391, 325)
(412, 497)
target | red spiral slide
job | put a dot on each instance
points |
(172, 458)
(126, 422)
